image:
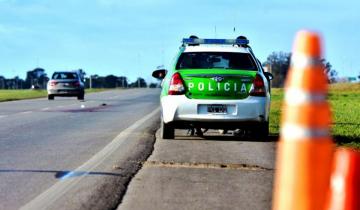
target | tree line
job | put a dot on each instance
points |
(278, 64)
(38, 78)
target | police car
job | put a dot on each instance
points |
(215, 84)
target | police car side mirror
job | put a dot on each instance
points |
(159, 74)
(269, 75)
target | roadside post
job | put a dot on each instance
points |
(305, 148)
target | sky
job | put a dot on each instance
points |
(132, 37)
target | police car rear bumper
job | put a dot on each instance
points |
(182, 109)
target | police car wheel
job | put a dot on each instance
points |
(50, 97)
(263, 131)
(81, 96)
(167, 131)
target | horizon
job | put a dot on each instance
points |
(132, 38)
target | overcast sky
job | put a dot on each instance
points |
(133, 37)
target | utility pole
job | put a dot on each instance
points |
(90, 82)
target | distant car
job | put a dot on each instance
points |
(66, 83)
(215, 84)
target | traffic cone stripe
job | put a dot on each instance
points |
(300, 60)
(291, 132)
(298, 96)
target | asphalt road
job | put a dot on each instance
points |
(213, 172)
(67, 154)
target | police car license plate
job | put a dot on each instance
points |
(217, 108)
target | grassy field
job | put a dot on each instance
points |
(12, 95)
(345, 105)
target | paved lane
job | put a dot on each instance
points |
(40, 140)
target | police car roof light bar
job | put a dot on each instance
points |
(191, 41)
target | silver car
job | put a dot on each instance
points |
(66, 84)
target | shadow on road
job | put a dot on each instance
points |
(212, 137)
(61, 174)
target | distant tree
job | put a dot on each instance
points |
(153, 85)
(110, 81)
(140, 82)
(98, 81)
(17, 83)
(278, 64)
(36, 77)
(122, 82)
(42, 81)
(14, 83)
(331, 73)
(2, 82)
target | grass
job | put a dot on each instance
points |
(12, 95)
(345, 104)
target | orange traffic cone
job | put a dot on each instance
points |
(345, 181)
(305, 148)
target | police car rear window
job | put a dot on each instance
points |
(218, 60)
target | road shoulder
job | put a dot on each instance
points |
(211, 173)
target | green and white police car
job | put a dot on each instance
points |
(215, 84)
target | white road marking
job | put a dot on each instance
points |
(3, 116)
(26, 112)
(46, 108)
(62, 106)
(45, 199)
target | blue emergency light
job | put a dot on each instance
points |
(194, 41)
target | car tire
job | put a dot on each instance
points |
(263, 131)
(51, 97)
(81, 96)
(167, 131)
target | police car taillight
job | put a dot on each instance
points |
(258, 87)
(176, 85)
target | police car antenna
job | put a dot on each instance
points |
(215, 32)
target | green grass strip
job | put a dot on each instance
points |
(345, 105)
